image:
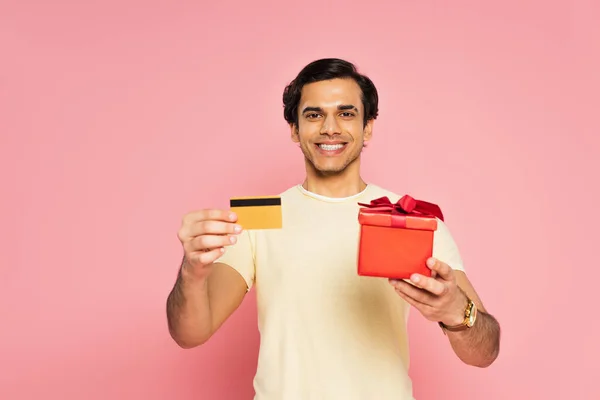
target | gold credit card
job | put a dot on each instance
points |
(260, 212)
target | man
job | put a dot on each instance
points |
(326, 333)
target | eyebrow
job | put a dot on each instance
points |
(342, 107)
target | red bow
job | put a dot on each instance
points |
(406, 205)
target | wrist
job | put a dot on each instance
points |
(190, 278)
(468, 318)
(457, 316)
(456, 319)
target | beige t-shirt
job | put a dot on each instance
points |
(325, 332)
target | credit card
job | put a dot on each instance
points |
(258, 212)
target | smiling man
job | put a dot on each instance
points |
(325, 332)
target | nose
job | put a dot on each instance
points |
(330, 126)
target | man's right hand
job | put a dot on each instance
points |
(204, 235)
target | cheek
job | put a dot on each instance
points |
(308, 132)
(354, 128)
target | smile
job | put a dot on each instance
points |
(331, 147)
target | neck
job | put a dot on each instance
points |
(344, 184)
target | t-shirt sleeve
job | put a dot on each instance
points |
(445, 248)
(240, 257)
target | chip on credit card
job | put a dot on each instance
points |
(257, 212)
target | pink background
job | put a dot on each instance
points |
(118, 117)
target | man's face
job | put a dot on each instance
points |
(331, 129)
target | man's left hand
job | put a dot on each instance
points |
(438, 297)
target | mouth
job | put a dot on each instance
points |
(331, 149)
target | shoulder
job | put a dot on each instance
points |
(376, 191)
(289, 192)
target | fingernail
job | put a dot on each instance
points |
(393, 282)
(232, 216)
(415, 278)
(237, 228)
(431, 262)
(232, 239)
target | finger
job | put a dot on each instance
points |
(206, 257)
(413, 292)
(423, 308)
(213, 227)
(209, 214)
(443, 270)
(433, 286)
(201, 243)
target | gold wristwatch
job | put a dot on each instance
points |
(468, 322)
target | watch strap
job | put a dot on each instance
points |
(463, 325)
(454, 328)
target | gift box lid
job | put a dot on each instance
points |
(406, 213)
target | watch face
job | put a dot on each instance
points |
(472, 315)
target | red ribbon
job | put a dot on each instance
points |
(405, 206)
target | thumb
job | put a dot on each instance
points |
(442, 270)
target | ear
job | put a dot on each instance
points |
(368, 130)
(294, 133)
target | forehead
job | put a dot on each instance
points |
(331, 93)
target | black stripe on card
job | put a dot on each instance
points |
(267, 201)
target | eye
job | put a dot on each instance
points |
(312, 115)
(347, 114)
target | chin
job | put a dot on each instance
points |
(330, 169)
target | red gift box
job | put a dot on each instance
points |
(396, 239)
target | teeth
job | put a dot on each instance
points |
(331, 147)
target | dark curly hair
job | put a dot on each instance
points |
(326, 69)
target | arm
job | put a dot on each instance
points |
(197, 307)
(207, 292)
(479, 345)
(443, 298)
